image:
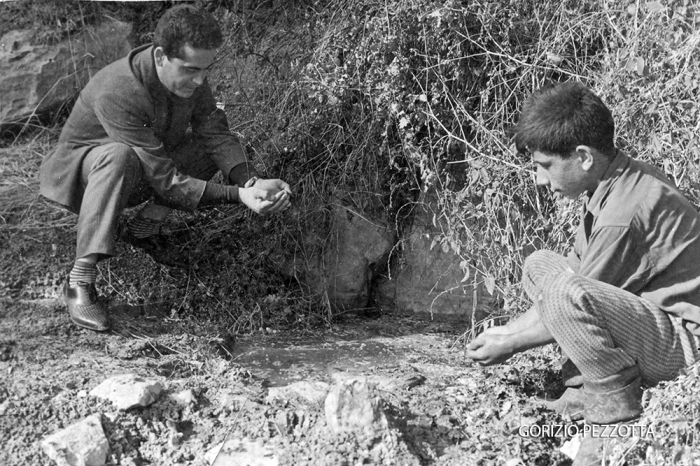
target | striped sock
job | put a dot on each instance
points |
(84, 272)
(143, 227)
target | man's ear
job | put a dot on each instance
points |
(586, 156)
(159, 56)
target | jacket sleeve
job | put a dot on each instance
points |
(210, 127)
(125, 121)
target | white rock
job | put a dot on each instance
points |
(312, 392)
(353, 405)
(128, 391)
(184, 398)
(81, 444)
(242, 452)
(571, 447)
(5, 406)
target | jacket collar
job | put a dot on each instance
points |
(617, 166)
(143, 66)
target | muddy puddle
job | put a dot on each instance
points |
(279, 362)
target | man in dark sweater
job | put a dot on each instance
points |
(148, 127)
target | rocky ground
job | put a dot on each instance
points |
(269, 398)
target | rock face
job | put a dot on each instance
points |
(346, 267)
(128, 391)
(430, 280)
(81, 444)
(36, 78)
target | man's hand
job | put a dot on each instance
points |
(491, 348)
(266, 196)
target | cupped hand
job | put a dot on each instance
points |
(266, 196)
(273, 186)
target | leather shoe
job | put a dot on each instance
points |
(83, 306)
(157, 247)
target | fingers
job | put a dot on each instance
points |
(279, 203)
(285, 187)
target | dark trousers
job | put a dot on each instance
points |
(112, 179)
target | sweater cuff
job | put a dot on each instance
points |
(215, 193)
(242, 173)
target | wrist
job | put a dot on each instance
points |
(251, 182)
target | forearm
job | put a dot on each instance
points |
(528, 319)
(533, 336)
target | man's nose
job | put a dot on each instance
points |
(200, 77)
(541, 178)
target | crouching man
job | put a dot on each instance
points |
(624, 306)
(148, 127)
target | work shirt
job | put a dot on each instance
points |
(639, 233)
(126, 102)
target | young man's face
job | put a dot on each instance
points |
(182, 76)
(568, 177)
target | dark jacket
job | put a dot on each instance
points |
(126, 102)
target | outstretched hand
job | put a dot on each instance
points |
(491, 348)
(266, 196)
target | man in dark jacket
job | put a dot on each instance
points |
(148, 126)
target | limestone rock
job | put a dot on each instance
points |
(242, 452)
(353, 405)
(34, 78)
(311, 392)
(81, 444)
(128, 391)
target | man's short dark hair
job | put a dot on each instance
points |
(186, 24)
(556, 119)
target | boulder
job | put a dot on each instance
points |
(128, 391)
(35, 78)
(341, 265)
(80, 444)
(429, 280)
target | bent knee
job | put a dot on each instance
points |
(119, 157)
(559, 292)
(538, 259)
(120, 154)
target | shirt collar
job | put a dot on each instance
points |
(615, 169)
